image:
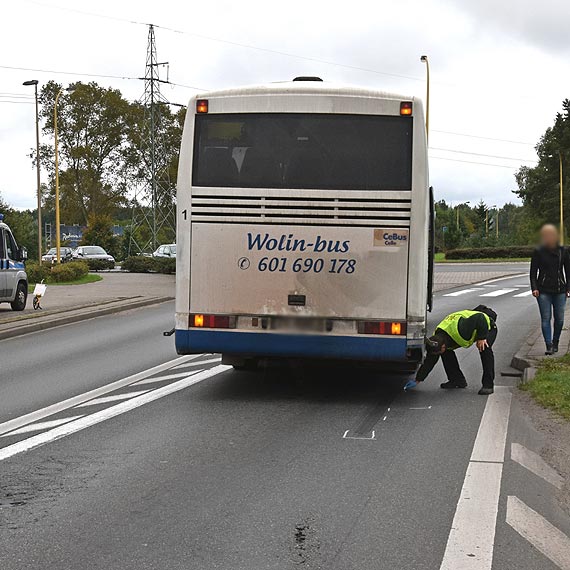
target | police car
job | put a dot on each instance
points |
(13, 278)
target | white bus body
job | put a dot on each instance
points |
(303, 219)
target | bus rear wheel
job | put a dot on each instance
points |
(19, 302)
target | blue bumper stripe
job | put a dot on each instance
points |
(291, 345)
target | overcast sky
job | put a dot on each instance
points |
(500, 68)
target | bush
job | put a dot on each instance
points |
(516, 251)
(99, 264)
(165, 265)
(71, 271)
(36, 272)
(139, 264)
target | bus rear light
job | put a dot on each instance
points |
(202, 106)
(406, 108)
(212, 322)
(382, 327)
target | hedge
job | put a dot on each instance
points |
(143, 264)
(99, 264)
(515, 251)
(71, 271)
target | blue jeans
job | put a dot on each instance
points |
(547, 302)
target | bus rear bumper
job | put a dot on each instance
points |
(285, 345)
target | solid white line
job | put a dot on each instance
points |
(75, 400)
(492, 436)
(156, 379)
(41, 425)
(462, 292)
(545, 537)
(535, 464)
(472, 537)
(208, 361)
(112, 398)
(98, 417)
(525, 294)
(498, 292)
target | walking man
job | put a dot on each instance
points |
(462, 329)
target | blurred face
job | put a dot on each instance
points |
(549, 236)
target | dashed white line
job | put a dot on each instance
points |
(98, 417)
(525, 294)
(498, 292)
(544, 536)
(462, 292)
(41, 426)
(112, 398)
(535, 464)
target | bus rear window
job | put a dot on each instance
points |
(314, 151)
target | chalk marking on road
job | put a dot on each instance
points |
(422, 408)
(525, 294)
(346, 436)
(544, 536)
(472, 537)
(79, 399)
(108, 413)
(112, 398)
(462, 292)
(384, 418)
(41, 426)
(498, 292)
(535, 464)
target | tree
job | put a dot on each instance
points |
(94, 129)
(99, 232)
(539, 187)
(24, 225)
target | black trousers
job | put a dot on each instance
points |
(454, 372)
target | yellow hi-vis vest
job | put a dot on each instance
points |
(450, 326)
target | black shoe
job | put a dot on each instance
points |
(555, 346)
(485, 391)
(549, 349)
(449, 385)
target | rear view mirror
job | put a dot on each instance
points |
(22, 254)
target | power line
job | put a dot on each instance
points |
(485, 155)
(482, 138)
(473, 162)
(18, 102)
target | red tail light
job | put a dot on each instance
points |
(212, 321)
(382, 327)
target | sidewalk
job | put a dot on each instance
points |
(532, 351)
(65, 304)
(451, 279)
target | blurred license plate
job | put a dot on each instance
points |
(297, 324)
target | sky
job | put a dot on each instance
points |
(499, 68)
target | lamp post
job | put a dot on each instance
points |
(34, 82)
(57, 228)
(424, 59)
(561, 199)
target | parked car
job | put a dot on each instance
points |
(168, 250)
(65, 254)
(13, 278)
(93, 252)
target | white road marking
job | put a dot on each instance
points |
(472, 537)
(112, 398)
(545, 537)
(111, 412)
(422, 408)
(535, 464)
(190, 365)
(346, 436)
(41, 426)
(156, 379)
(75, 400)
(498, 292)
(525, 294)
(462, 292)
(502, 278)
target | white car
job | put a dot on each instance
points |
(87, 252)
(168, 250)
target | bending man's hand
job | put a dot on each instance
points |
(482, 345)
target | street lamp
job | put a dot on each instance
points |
(561, 196)
(70, 89)
(458, 205)
(34, 82)
(424, 59)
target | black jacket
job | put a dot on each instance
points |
(550, 270)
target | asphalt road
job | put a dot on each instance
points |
(248, 471)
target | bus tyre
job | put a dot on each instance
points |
(19, 302)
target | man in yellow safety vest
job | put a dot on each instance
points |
(462, 329)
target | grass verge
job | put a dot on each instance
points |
(89, 278)
(440, 258)
(551, 385)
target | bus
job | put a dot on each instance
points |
(304, 225)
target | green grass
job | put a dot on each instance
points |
(551, 385)
(89, 278)
(440, 258)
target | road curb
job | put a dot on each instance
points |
(44, 323)
(522, 359)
